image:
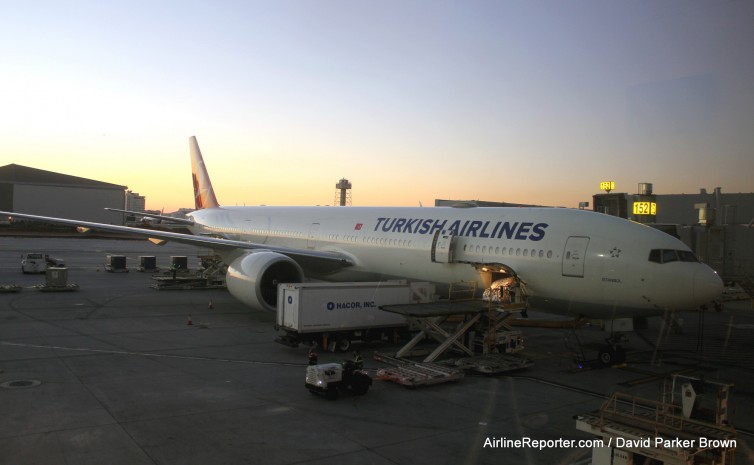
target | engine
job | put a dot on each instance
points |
(253, 278)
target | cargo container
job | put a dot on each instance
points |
(116, 264)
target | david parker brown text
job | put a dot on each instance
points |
(529, 443)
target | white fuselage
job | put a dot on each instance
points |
(571, 261)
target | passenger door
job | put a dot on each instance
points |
(311, 241)
(574, 256)
(442, 247)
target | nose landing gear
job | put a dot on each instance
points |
(609, 354)
(612, 353)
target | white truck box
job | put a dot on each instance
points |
(338, 309)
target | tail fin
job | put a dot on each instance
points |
(204, 194)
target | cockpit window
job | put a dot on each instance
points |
(687, 256)
(669, 255)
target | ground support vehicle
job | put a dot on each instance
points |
(336, 314)
(330, 378)
(34, 262)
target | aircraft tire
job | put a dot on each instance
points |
(609, 356)
(606, 356)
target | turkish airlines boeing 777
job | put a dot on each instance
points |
(572, 261)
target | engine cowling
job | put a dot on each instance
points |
(253, 278)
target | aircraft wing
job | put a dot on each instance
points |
(322, 260)
(148, 215)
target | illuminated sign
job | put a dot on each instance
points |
(645, 208)
(607, 186)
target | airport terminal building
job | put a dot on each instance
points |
(40, 192)
(717, 226)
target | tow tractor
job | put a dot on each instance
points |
(329, 378)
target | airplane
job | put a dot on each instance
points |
(573, 262)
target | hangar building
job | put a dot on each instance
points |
(40, 192)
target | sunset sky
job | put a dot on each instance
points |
(506, 100)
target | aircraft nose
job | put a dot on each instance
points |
(707, 286)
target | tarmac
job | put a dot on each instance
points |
(113, 374)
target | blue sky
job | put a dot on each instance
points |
(522, 101)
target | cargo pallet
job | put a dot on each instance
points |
(413, 374)
(490, 364)
(113, 269)
(50, 288)
(165, 283)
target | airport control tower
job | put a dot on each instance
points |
(343, 193)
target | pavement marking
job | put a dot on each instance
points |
(148, 354)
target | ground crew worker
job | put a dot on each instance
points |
(506, 298)
(357, 360)
(512, 291)
(313, 353)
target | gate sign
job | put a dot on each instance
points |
(607, 186)
(645, 208)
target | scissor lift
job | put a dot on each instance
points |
(429, 318)
(489, 349)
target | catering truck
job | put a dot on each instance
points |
(336, 314)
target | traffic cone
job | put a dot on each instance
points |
(210, 306)
(189, 322)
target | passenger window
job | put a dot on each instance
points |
(526, 252)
